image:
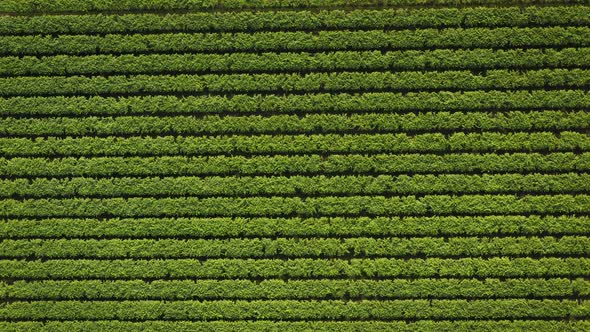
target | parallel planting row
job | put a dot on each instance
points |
(295, 247)
(327, 227)
(293, 83)
(296, 144)
(292, 124)
(295, 289)
(66, 6)
(299, 206)
(438, 59)
(297, 268)
(295, 310)
(333, 164)
(268, 104)
(294, 185)
(418, 39)
(329, 325)
(304, 20)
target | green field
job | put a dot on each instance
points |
(295, 165)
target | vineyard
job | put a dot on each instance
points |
(295, 165)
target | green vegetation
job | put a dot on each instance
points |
(295, 165)
(296, 41)
(479, 58)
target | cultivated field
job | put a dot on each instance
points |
(306, 165)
